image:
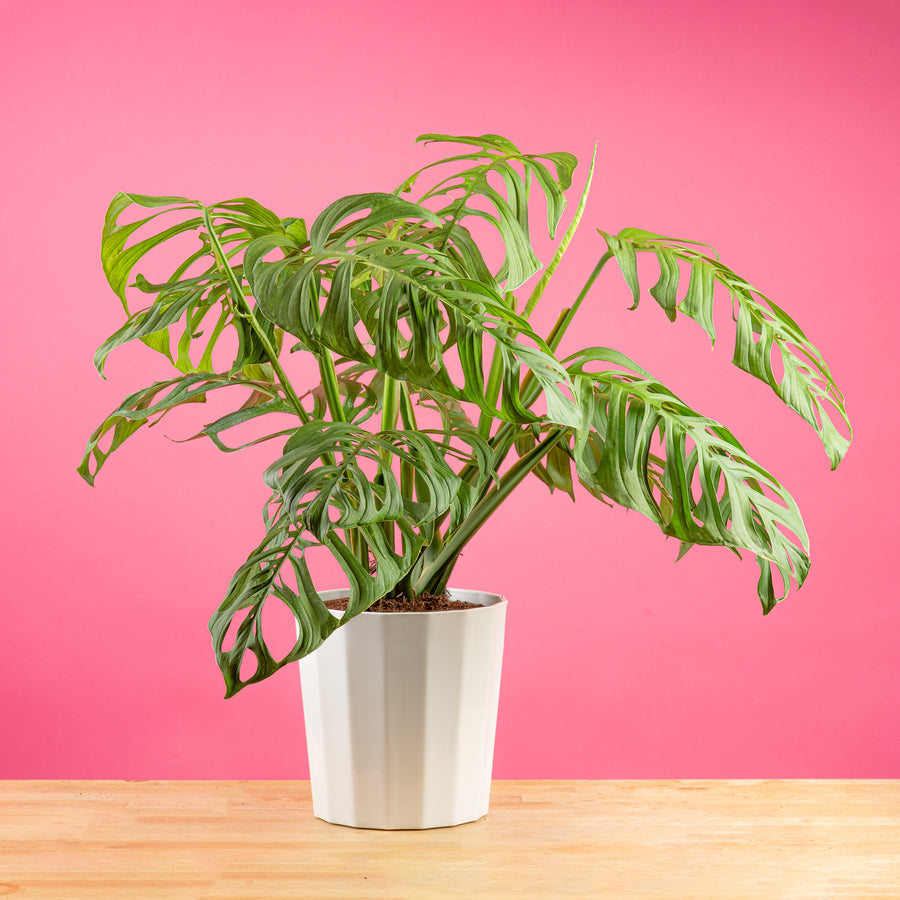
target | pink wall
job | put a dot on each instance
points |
(768, 129)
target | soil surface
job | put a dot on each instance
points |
(422, 603)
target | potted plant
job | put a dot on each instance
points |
(434, 398)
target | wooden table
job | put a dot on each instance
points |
(542, 839)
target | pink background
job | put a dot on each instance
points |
(768, 129)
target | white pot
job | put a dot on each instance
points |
(401, 712)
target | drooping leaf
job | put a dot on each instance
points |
(763, 332)
(396, 299)
(556, 470)
(118, 257)
(258, 579)
(259, 404)
(321, 487)
(686, 472)
(190, 300)
(157, 400)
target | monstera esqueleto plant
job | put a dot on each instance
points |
(434, 396)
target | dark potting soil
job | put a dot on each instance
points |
(422, 603)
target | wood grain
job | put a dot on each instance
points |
(542, 839)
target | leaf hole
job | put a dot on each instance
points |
(278, 624)
(249, 665)
(233, 626)
(776, 360)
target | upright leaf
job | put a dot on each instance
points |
(184, 299)
(508, 213)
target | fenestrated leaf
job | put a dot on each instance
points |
(686, 472)
(258, 579)
(453, 415)
(260, 404)
(320, 488)
(262, 577)
(556, 470)
(509, 214)
(117, 256)
(249, 215)
(396, 298)
(763, 330)
(497, 150)
(325, 478)
(137, 410)
(382, 208)
(389, 564)
(410, 283)
(183, 300)
(361, 390)
(190, 299)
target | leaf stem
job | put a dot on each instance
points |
(330, 385)
(559, 329)
(440, 568)
(408, 418)
(530, 389)
(246, 311)
(390, 404)
(491, 393)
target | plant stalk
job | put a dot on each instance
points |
(330, 385)
(530, 390)
(559, 329)
(408, 418)
(491, 393)
(390, 403)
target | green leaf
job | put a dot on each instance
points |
(263, 577)
(686, 472)
(137, 409)
(325, 478)
(556, 469)
(183, 301)
(551, 268)
(119, 258)
(190, 299)
(509, 213)
(764, 332)
(249, 215)
(383, 208)
(258, 579)
(410, 301)
(258, 405)
(396, 299)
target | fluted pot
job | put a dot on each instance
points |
(401, 712)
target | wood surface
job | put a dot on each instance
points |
(542, 840)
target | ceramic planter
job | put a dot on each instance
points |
(401, 712)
